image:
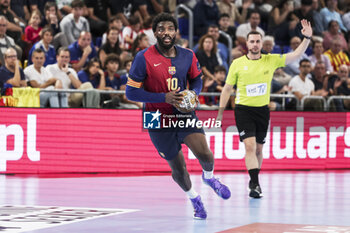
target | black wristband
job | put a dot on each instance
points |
(307, 37)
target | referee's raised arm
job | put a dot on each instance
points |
(306, 31)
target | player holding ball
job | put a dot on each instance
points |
(159, 77)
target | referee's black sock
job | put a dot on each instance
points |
(254, 175)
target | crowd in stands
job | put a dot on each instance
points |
(89, 45)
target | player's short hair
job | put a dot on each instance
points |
(254, 33)
(303, 61)
(163, 17)
(219, 69)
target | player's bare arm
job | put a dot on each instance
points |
(306, 31)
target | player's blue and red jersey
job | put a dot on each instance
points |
(159, 74)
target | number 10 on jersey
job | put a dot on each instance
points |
(172, 83)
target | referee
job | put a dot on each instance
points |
(252, 75)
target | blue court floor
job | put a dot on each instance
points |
(109, 204)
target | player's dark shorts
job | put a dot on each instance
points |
(252, 122)
(168, 141)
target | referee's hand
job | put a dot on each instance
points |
(173, 97)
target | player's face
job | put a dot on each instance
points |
(165, 34)
(254, 44)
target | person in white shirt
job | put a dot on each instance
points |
(69, 79)
(39, 77)
(74, 23)
(252, 25)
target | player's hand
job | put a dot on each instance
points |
(307, 29)
(173, 97)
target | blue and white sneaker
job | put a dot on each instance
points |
(199, 211)
(222, 190)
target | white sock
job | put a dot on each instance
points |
(192, 193)
(208, 174)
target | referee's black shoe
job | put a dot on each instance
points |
(255, 190)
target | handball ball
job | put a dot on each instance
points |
(188, 103)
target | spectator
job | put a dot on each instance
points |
(252, 25)
(206, 55)
(116, 82)
(302, 86)
(205, 13)
(98, 23)
(6, 41)
(317, 55)
(148, 8)
(51, 19)
(38, 5)
(45, 46)
(94, 74)
(332, 33)
(224, 26)
(20, 8)
(82, 51)
(130, 32)
(115, 22)
(122, 9)
(111, 46)
(69, 79)
(281, 22)
(342, 85)
(216, 85)
(33, 29)
(318, 27)
(336, 55)
(147, 29)
(293, 68)
(329, 13)
(13, 29)
(74, 23)
(228, 7)
(11, 72)
(39, 77)
(141, 42)
(304, 12)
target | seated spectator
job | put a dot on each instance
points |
(111, 46)
(206, 55)
(341, 85)
(39, 77)
(116, 82)
(215, 85)
(32, 31)
(96, 14)
(224, 26)
(317, 55)
(141, 42)
(293, 68)
(13, 29)
(38, 5)
(115, 22)
(336, 55)
(11, 73)
(94, 74)
(82, 51)
(276, 88)
(45, 46)
(205, 13)
(52, 19)
(73, 24)
(130, 32)
(332, 33)
(147, 29)
(317, 28)
(228, 7)
(6, 41)
(282, 24)
(301, 86)
(252, 25)
(69, 79)
(329, 13)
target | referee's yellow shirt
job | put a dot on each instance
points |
(253, 78)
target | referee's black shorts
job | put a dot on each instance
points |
(252, 122)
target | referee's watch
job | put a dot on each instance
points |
(307, 37)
